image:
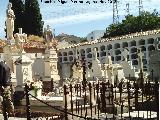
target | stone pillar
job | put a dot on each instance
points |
(51, 71)
(13, 73)
(23, 71)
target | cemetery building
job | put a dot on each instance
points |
(146, 41)
(38, 66)
(96, 34)
(48, 59)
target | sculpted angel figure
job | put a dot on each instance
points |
(10, 21)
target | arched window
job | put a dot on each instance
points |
(64, 53)
(88, 50)
(143, 48)
(89, 55)
(141, 42)
(102, 48)
(134, 56)
(117, 45)
(117, 52)
(133, 50)
(59, 54)
(65, 59)
(150, 41)
(70, 58)
(70, 53)
(124, 44)
(109, 46)
(135, 62)
(158, 46)
(118, 58)
(103, 54)
(82, 52)
(60, 59)
(151, 48)
(133, 43)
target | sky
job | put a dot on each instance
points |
(80, 19)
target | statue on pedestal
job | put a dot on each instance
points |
(109, 68)
(48, 36)
(10, 21)
(125, 53)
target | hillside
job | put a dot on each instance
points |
(70, 38)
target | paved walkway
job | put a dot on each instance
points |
(16, 118)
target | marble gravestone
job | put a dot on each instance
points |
(111, 71)
(38, 67)
(140, 57)
(77, 73)
(89, 73)
(50, 68)
(23, 71)
(128, 69)
(96, 66)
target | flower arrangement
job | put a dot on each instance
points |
(35, 87)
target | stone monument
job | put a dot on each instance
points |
(128, 69)
(38, 67)
(50, 67)
(112, 71)
(109, 68)
(10, 22)
(125, 53)
(23, 71)
(140, 57)
(77, 73)
(96, 66)
(48, 35)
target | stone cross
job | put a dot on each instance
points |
(95, 53)
(109, 60)
(125, 54)
(109, 68)
(48, 34)
(140, 56)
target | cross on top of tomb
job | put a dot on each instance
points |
(125, 54)
(109, 59)
(95, 53)
(140, 56)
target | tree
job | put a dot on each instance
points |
(131, 24)
(33, 18)
(18, 8)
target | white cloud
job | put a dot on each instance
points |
(74, 19)
(73, 14)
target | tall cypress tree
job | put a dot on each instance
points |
(33, 18)
(18, 8)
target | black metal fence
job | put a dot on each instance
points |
(102, 100)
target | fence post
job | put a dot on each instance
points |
(65, 102)
(5, 114)
(51, 85)
(28, 110)
(90, 92)
(156, 92)
(71, 99)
